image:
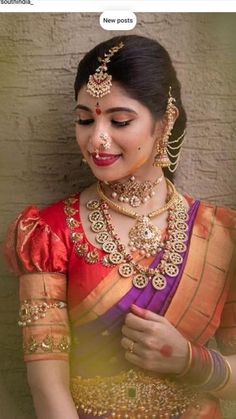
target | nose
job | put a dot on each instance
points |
(99, 139)
(94, 138)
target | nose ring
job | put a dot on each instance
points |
(106, 140)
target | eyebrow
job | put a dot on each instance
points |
(110, 110)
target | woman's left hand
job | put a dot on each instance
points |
(153, 343)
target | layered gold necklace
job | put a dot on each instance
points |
(144, 236)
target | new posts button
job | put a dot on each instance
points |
(118, 20)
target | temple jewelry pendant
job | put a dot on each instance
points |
(145, 237)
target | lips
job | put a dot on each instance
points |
(105, 159)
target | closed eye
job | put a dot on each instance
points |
(121, 123)
(118, 124)
(84, 121)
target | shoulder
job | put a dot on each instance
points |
(216, 225)
(214, 214)
(38, 240)
(56, 214)
(210, 217)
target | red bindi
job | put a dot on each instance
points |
(98, 110)
(166, 351)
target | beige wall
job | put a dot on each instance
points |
(40, 161)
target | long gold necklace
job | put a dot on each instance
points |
(143, 236)
(116, 254)
(173, 250)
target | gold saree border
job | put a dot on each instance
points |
(107, 293)
(196, 307)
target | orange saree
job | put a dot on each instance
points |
(201, 304)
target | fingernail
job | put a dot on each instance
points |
(138, 310)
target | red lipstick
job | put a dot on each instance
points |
(104, 159)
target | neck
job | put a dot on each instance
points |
(144, 173)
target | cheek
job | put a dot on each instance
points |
(80, 137)
(138, 163)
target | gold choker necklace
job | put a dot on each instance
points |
(133, 192)
(134, 214)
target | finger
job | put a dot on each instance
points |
(126, 343)
(139, 311)
(134, 359)
(135, 322)
(131, 346)
(147, 314)
(132, 334)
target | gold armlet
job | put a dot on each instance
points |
(48, 344)
(31, 312)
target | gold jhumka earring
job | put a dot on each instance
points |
(165, 147)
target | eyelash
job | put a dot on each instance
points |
(118, 124)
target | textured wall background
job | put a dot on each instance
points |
(40, 161)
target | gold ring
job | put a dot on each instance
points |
(131, 347)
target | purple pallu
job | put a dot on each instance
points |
(99, 340)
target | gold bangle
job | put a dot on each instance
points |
(189, 363)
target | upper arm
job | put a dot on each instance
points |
(40, 257)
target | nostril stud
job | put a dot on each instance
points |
(106, 140)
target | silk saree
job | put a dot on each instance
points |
(200, 302)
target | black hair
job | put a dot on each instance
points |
(144, 69)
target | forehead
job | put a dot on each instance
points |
(117, 97)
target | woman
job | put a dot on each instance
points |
(128, 279)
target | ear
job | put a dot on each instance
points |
(161, 124)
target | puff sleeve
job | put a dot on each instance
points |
(39, 257)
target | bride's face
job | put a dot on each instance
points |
(130, 127)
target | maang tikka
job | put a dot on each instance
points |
(99, 83)
(165, 146)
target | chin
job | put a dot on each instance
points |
(107, 177)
